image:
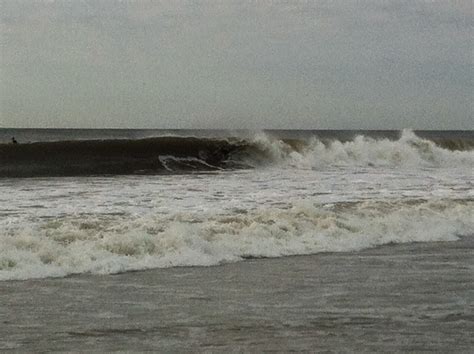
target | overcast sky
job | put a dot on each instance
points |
(382, 64)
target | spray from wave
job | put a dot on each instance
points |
(113, 244)
(408, 151)
(193, 154)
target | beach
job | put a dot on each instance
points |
(411, 298)
(252, 244)
(236, 176)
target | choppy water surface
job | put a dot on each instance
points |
(338, 196)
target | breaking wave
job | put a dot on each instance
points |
(408, 151)
(190, 154)
(113, 244)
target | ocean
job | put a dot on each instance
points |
(97, 203)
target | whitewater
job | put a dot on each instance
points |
(259, 196)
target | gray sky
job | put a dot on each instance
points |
(381, 64)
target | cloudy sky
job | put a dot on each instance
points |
(381, 64)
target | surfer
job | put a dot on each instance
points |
(14, 140)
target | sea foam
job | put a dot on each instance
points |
(113, 244)
(408, 151)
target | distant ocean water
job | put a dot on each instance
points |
(108, 201)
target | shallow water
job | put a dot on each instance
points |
(387, 221)
(413, 297)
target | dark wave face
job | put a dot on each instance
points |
(189, 154)
(102, 157)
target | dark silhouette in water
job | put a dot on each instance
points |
(115, 157)
(14, 140)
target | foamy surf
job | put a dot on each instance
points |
(266, 196)
(112, 244)
(407, 151)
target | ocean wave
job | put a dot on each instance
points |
(105, 245)
(191, 154)
(408, 151)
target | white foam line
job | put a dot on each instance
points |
(71, 245)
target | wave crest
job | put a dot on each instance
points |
(408, 151)
(189, 154)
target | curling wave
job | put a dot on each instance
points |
(189, 154)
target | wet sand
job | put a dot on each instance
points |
(413, 297)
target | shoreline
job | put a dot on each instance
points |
(405, 297)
